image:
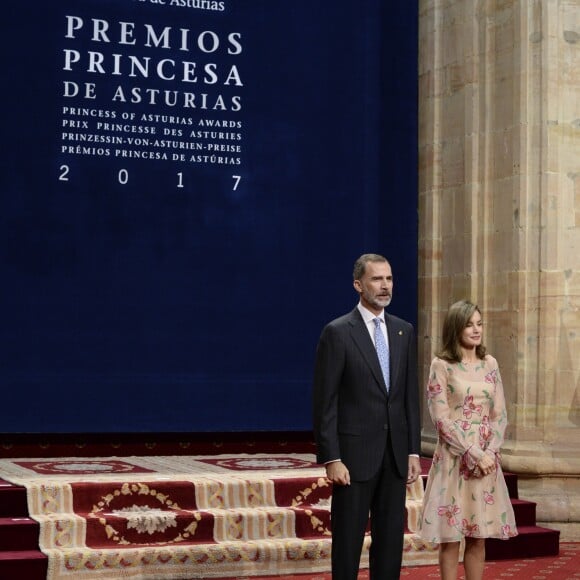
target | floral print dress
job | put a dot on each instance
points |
(466, 403)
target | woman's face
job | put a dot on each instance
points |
(472, 333)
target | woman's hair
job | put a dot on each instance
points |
(456, 320)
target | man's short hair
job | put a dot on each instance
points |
(361, 264)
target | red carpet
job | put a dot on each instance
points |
(184, 516)
(96, 508)
(566, 566)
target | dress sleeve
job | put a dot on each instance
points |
(498, 415)
(449, 431)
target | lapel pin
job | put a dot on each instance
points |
(400, 333)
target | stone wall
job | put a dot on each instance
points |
(499, 210)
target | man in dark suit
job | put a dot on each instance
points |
(367, 424)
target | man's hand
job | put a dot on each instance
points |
(338, 473)
(414, 470)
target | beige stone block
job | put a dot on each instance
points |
(569, 337)
(431, 296)
(523, 286)
(473, 170)
(567, 69)
(563, 145)
(497, 294)
(430, 254)
(550, 248)
(524, 396)
(453, 166)
(498, 323)
(572, 284)
(519, 198)
(445, 299)
(557, 498)
(447, 211)
(461, 216)
(548, 355)
(569, 531)
(453, 117)
(565, 186)
(456, 80)
(570, 241)
(428, 120)
(564, 413)
(451, 34)
(426, 95)
(509, 147)
(427, 8)
(504, 348)
(505, 111)
(559, 429)
(430, 168)
(427, 349)
(575, 177)
(429, 330)
(568, 357)
(525, 428)
(503, 210)
(503, 154)
(501, 248)
(462, 265)
(495, 347)
(517, 147)
(463, 76)
(426, 217)
(461, 287)
(439, 86)
(553, 286)
(424, 300)
(529, 388)
(503, 22)
(528, 249)
(428, 36)
(429, 171)
(451, 256)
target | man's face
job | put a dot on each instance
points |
(375, 286)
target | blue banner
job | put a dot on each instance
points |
(185, 187)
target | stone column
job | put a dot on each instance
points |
(499, 211)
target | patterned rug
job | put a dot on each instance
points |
(187, 517)
(565, 566)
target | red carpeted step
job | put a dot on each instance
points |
(511, 481)
(525, 512)
(24, 565)
(307, 498)
(18, 534)
(12, 500)
(19, 554)
(310, 522)
(532, 542)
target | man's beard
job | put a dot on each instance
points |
(378, 301)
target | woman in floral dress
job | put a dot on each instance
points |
(466, 495)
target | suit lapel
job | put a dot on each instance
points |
(394, 348)
(362, 339)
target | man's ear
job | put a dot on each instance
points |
(357, 286)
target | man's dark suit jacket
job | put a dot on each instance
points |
(352, 410)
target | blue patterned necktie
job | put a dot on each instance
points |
(382, 351)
